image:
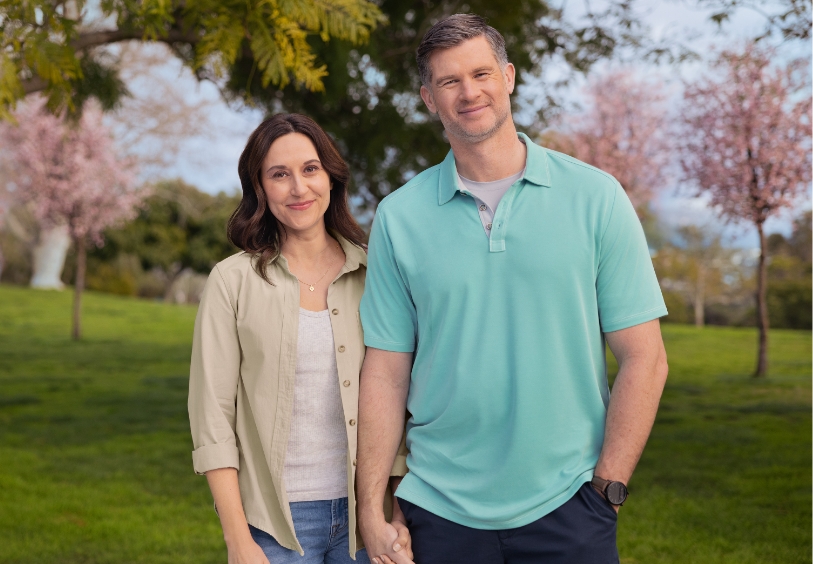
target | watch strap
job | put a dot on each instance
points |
(601, 484)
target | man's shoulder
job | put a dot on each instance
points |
(419, 191)
(573, 172)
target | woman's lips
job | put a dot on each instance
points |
(301, 206)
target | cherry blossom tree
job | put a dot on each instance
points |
(746, 146)
(623, 132)
(71, 175)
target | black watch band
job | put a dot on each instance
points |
(614, 492)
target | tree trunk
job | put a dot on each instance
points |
(79, 286)
(49, 258)
(700, 297)
(762, 306)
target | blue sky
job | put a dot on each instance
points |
(209, 160)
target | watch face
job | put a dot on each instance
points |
(616, 493)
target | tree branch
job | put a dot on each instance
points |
(93, 39)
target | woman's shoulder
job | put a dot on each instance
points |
(240, 261)
(233, 272)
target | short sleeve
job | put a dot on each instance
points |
(388, 314)
(626, 285)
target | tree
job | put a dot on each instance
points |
(71, 175)
(746, 146)
(178, 228)
(790, 19)
(623, 132)
(696, 266)
(371, 104)
(789, 276)
(53, 46)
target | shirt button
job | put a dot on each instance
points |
(483, 207)
(335, 311)
(488, 226)
(346, 383)
(341, 348)
(352, 422)
(354, 462)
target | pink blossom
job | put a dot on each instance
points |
(622, 132)
(747, 138)
(71, 173)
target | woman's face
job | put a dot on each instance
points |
(296, 185)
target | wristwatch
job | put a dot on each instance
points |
(614, 492)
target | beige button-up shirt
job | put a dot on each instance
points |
(241, 384)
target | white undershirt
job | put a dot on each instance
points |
(487, 195)
(316, 458)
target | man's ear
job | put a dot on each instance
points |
(510, 74)
(426, 96)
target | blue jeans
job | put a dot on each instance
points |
(323, 531)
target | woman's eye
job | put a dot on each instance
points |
(311, 168)
(279, 174)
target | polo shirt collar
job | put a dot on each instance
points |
(536, 170)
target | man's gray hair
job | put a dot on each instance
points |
(453, 31)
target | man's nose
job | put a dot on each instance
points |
(469, 90)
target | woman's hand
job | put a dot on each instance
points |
(247, 552)
(402, 545)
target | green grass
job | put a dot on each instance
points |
(95, 463)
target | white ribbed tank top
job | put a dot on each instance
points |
(316, 458)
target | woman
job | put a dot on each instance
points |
(276, 357)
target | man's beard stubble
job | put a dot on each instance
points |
(455, 128)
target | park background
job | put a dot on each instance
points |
(94, 441)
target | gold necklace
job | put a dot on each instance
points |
(309, 285)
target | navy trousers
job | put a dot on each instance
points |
(582, 531)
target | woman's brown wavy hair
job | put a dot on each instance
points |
(252, 227)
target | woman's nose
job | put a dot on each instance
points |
(298, 186)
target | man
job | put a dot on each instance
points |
(494, 280)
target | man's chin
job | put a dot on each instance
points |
(472, 134)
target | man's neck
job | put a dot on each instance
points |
(495, 158)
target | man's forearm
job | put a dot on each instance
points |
(633, 402)
(382, 404)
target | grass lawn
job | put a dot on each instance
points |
(95, 463)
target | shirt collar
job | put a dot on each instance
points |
(354, 258)
(536, 170)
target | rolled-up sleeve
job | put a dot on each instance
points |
(213, 377)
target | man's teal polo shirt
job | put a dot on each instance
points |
(509, 392)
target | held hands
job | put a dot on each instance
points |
(387, 543)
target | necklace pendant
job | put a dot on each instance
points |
(310, 288)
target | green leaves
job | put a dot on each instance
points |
(50, 47)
